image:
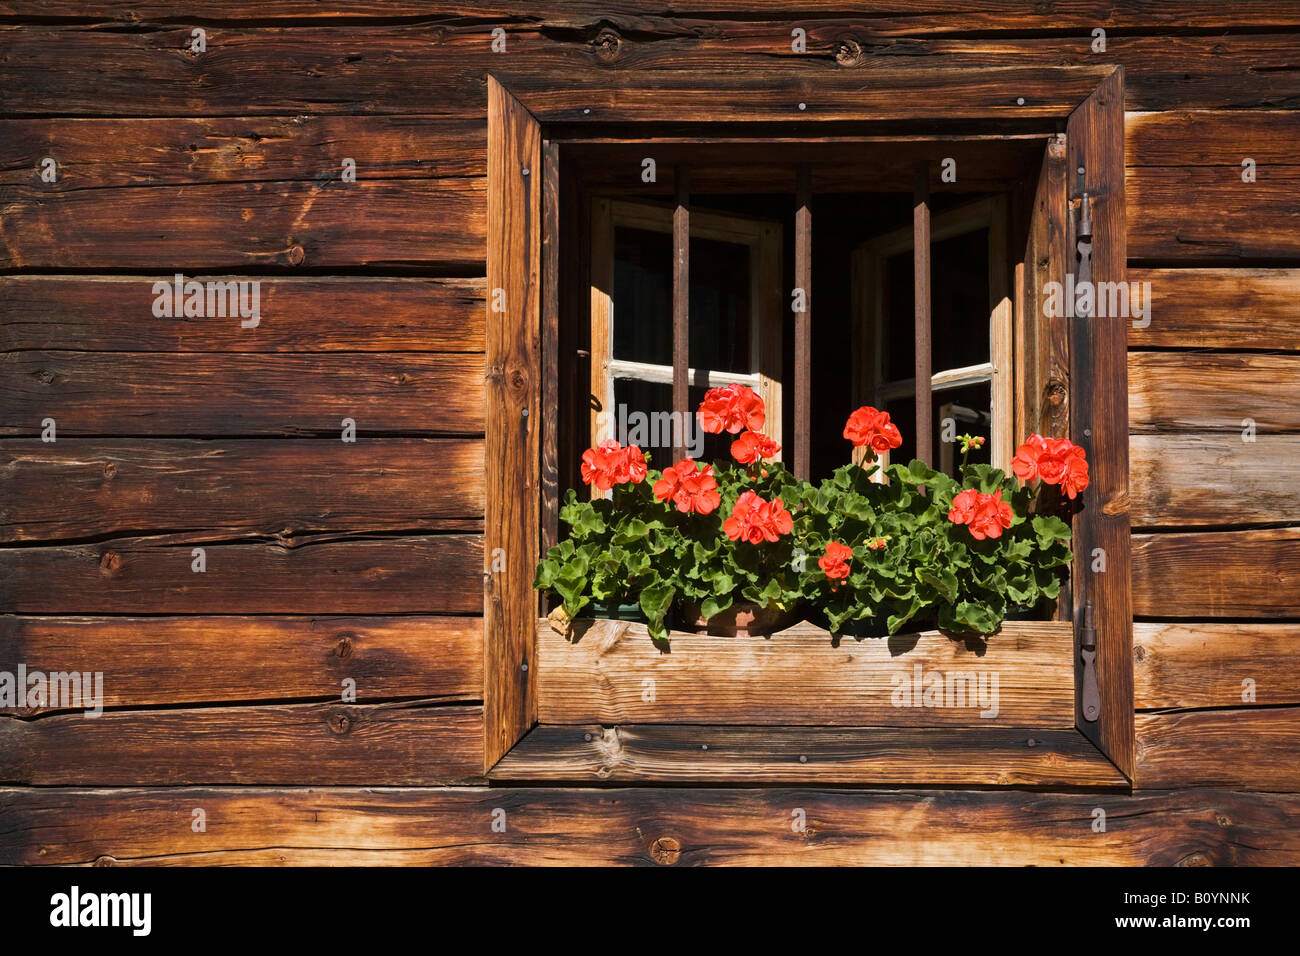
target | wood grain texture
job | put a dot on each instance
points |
(337, 826)
(1241, 574)
(134, 393)
(298, 314)
(238, 225)
(77, 489)
(93, 152)
(512, 524)
(1099, 418)
(1204, 480)
(1180, 391)
(1183, 137)
(799, 677)
(434, 574)
(404, 743)
(1251, 748)
(440, 67)
(152, 661)
(1215, 664)
(903, 17)
(1207, 213)
(1220, 308)
(767, 755)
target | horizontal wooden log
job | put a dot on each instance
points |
(337, 826)
(130, 393)
(441, 68)
(339, 744)
(866, 755)
(237, 225)
(297, 314)
(1193, 480)
(1215, 664)
(1208, 213)
(98, 153)
(1182, 391)
(1181, 137)
(613, 674)
(1242, 574)
(435, 574)
(152, 661)
(902, 17)
(1220, 308)
(83, 488)
(1254, 749)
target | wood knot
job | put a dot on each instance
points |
(104, 861)
(1223, 820)
(296, 255)
(607, 45)
(110, 561)
(339, 723)
(848, 52)
(343, 649)
(666, 851)
(1195, 859)
(1139, 653)
(46, 377)
(518, 379)
(110, 470)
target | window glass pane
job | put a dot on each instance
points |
(639, 408)
(971, 413)
(720, 307)
(959, 306)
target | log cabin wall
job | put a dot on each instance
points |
(327, 559)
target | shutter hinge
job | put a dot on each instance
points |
(1083, 242)
(1091, 697)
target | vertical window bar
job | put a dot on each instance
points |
(681, 312)
(921, 297)
(803, 321)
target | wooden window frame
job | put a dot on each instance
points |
(868, 261)
(761, 238)
(527, 114)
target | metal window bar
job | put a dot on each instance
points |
(681, 312)
(921, 298)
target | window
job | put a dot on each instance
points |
(734, 325)
(549, 705)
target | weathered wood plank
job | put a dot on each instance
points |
(297, 314)
(96, 153)
(151, 661)
(83, 488)
(441, 68)
(397, 744)
(1220, 308)
(869, 755)
(1254, 749)
(1182, 137)
(1208, 213)
(236, 225)
(130, 393)
(1099, 422)
(1246, 574)
(798, 677)
(1194, 480)
(435, 574)
(903, 17)
(337, 826)
(1215, 664)
(512, 522)
(1180, 391)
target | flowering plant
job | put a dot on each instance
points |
(859, 554)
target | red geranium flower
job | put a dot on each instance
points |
(751, 446)
(610, 464)
(835, 563)
(1057, 461)
(693, 491)
(755, 520)
(872, 427)
(731, 408)
(983, 515)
